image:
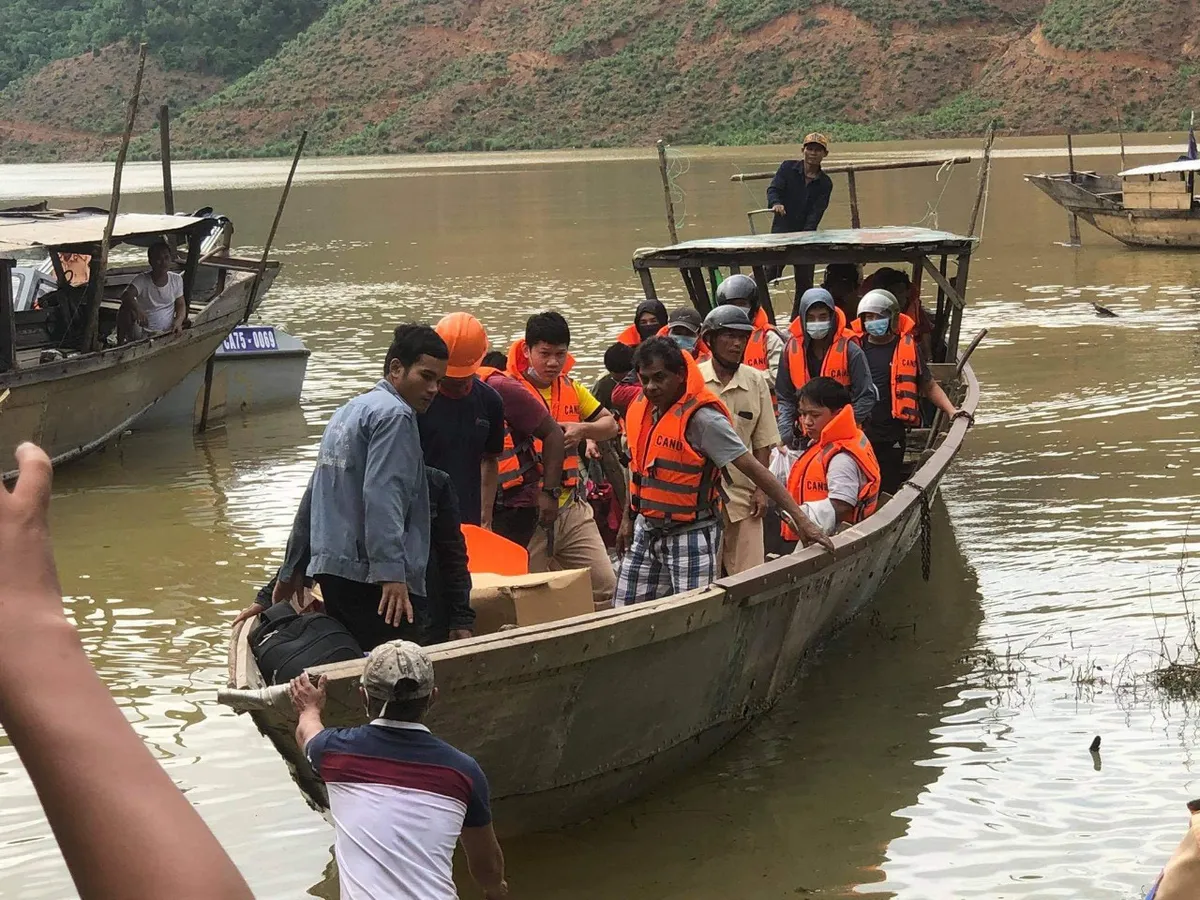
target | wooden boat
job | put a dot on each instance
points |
(572, 717)
(1147, 206)
(68, 388)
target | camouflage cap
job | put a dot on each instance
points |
(817, 138)
(398, 670)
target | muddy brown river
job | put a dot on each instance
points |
(937, 748)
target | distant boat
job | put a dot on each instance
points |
(1147, 206)
(72, 399)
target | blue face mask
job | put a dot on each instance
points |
(818, 330)
(685, 342)
(877, 327)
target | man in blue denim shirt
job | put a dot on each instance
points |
(365, 516)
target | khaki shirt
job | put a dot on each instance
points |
(749, 402)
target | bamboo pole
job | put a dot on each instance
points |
(202, 426)
(864, 167)
(985, 172)
(92, 333)
(1072, 219)
(287, 187)
(1121, 138)
(854, 220)
(666, 183)
(164, 136)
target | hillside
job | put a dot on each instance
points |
(377, 76)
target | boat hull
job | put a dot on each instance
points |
(571, 718)
(1166, 229)
(74, 406)
(243, 383)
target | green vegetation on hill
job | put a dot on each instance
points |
(1101, 24)
(214, 37)
(387, 76)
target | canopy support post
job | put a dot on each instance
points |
(666, 184)
(764, 293)
(854, 219)
(8, 324)
(91, 335)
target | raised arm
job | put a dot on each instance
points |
(123, 827)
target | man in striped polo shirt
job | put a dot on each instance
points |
(400, 798)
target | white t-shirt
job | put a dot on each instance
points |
(158, 303)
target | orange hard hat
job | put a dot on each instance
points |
(467, 342)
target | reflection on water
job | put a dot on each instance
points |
(897, 768)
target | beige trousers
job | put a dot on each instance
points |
(577, 545)
(742, 545)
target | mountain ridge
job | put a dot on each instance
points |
(388, 76)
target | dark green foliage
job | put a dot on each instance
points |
(215, 37)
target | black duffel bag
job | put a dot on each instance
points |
(286, 643)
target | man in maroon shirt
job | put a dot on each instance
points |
(520, 510)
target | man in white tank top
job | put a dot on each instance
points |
(153, 303)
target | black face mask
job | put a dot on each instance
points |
(646, 331)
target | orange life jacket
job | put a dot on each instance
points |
(563, 406)
(629, 337)
(520, 464)
(807, 480)
(905, 407)
(700, 354)
(669, 480)
(837, 358)
(756, 348)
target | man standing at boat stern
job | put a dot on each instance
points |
(746, 396)
(400, 798)
(681, 442)
(799, 195)
(365, 518)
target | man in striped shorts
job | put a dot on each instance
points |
(680, 441)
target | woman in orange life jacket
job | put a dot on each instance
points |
(649, 316)
(766, 345)
(899, 375)
(820, 345)
(541, 363)
(836, 481)
(681, 439)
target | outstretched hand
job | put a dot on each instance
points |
(29, 589)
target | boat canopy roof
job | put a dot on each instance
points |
(1179, 165)
(835, 245)
(81, 227)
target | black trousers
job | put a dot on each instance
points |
(356, 605)
(890, 455)
(517, 524)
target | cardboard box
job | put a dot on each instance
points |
(532, 599)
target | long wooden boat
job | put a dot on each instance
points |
(65, 395)
(1148, 206)
(572, 717)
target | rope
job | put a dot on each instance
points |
(678, 165)
(930, 218)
